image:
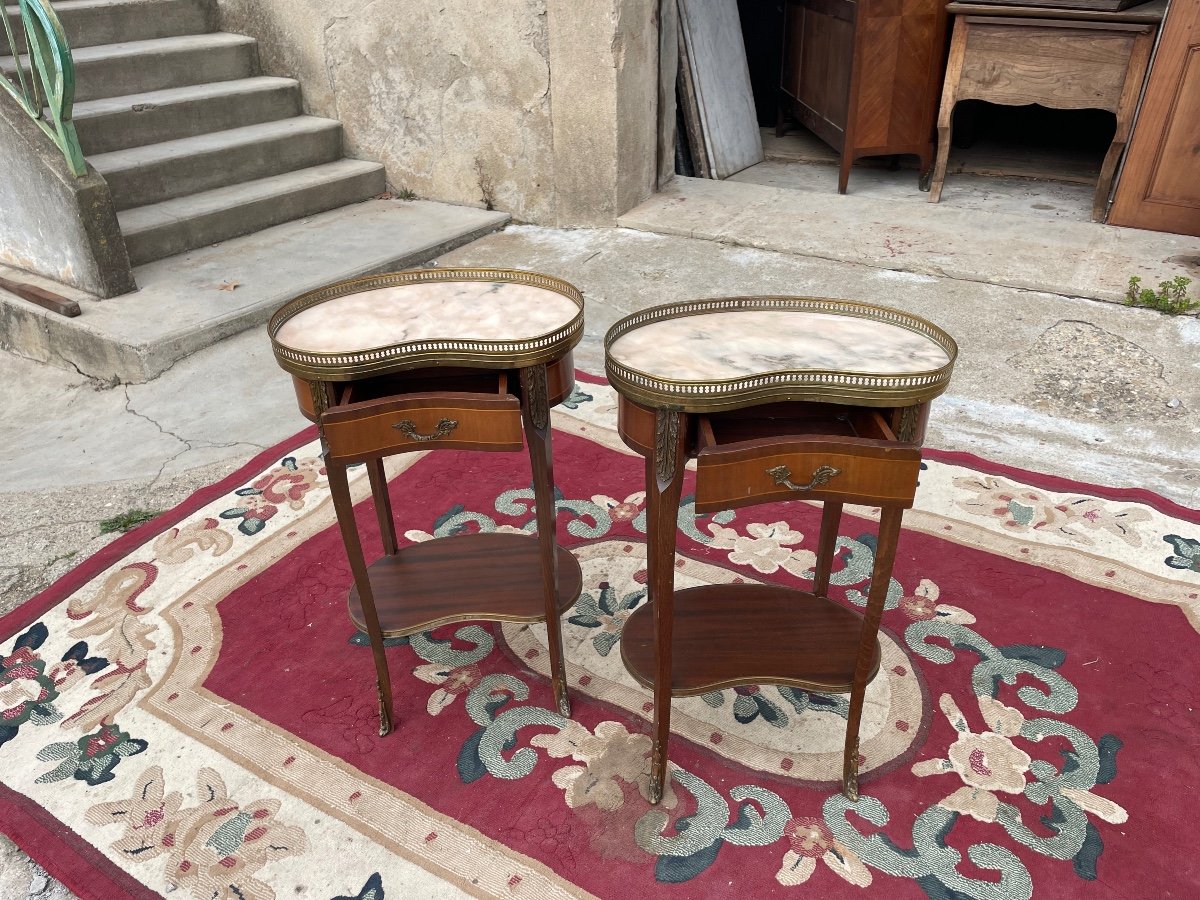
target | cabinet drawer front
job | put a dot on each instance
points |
(465, 422)
(755, 472)
(1062, 68)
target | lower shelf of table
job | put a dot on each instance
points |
(729, 635)
(472, 576)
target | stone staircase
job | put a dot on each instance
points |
(196, 145)
(230, 200)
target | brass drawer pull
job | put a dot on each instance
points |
(822, 475)
(409, 429)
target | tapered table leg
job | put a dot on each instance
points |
(664, 478)
(831, 518)
(535, 411)
(344, 508)
(383, 505)
(885, 557)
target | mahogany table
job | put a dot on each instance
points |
(463, 359)
(777, 398)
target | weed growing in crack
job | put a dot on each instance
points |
(1170, 298)
(128, 520)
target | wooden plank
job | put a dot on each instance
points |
(668, 70)
(42, 297)
(690, 109)
(1109, 6)
(1147, 13)
(716, 62)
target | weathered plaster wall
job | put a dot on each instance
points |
(51, 222)
(542, 108)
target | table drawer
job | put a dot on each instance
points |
(1062, 65)
(854, 470)
(463, 421)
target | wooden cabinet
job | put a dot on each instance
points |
(864, 75)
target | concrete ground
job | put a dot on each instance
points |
(1074, 387)
(1080, 388)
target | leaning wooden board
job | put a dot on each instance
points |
(711, 34)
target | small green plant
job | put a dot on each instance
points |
(405, 194)
(1170, 298)
(128, 520)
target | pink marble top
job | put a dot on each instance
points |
(447, 310)
(724, 345)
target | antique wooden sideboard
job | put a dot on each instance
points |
(864, 76)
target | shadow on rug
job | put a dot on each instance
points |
(192, 710)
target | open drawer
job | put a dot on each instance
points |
(397, 414)
(791, 451)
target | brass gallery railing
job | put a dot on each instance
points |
(44, 79)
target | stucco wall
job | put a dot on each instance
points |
(51, 222)
(542, 108)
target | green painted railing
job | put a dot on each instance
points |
(43, 76)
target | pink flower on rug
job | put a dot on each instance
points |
(214, 848)
(1024, 509)
(289, 483)
(767, 548)
(986, 763)
(21, 686)
(451, 683)
(178, 545)
(419, 537)
(923, 604)
(149, 816)
(621, 510)
(811, 840)
(610, 756)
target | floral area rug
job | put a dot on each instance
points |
(191, 712)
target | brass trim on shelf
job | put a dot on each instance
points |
(348, 366)
(815, 385)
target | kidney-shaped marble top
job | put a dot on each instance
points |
(722, 345)
(459, 310)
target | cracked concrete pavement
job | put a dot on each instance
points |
(1078, 388)
(77, 452)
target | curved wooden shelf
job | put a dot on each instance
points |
(728, 635)
(496, 577)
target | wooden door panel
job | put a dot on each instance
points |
(1173, 182)
(1160, 187)
(816, 73)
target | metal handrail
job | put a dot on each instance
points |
(47, 90)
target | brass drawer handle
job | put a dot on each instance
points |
(408, 428)
(822, 475)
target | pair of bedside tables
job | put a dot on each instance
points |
(776, 398)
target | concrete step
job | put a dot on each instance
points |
(157, 172)
(134, 120)
(180, 307)
(112, 70)
(175, 226)
(89, 23)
